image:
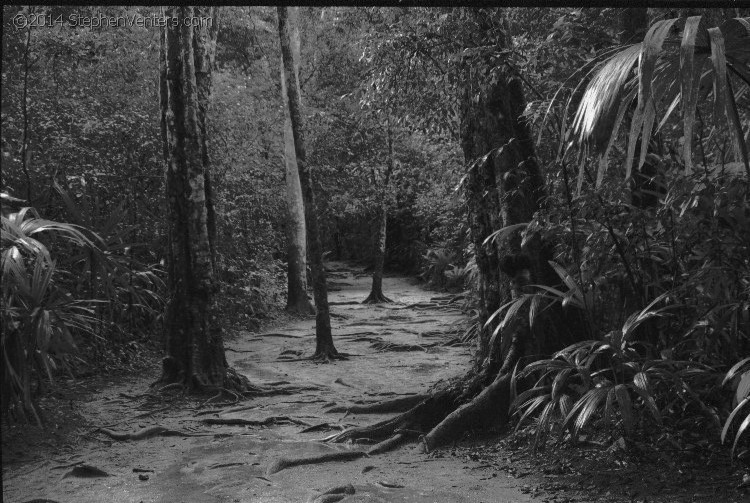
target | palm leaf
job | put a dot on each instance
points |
(719, 61)
(589, 408)
(602, 95)
(536, 301)
(513, 310)
(501, 234)
(736, 368)
(740, 431)
(559, 382)
(543, 422)
(609, 408)
(735, 412)
(642, 121)
(531, 406)
(603, 160)
(626, 407)
(565, 405)
(689, 78)
(589, 68)
(528, 394)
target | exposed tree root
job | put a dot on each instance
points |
(86, 471)
(340, 381)
(391, 485)
(420, 418)
(370, 322)
(274, 334)
(396, 346)
(152, 431)
(388, 444)
(253, 422)
(327, 355)
(377, 298)
(329, 498)
(333, 494)
(420, 305)
(283, 463)
(356, 334)
(367, 339)
(302, 307)
(238, 409)
(321, 427)
(489, 406)
(395, 405)
(442, 416)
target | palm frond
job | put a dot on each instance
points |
(603, 95)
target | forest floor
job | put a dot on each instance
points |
(396, 350)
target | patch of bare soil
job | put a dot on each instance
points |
(114, 439)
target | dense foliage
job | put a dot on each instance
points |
(657, 262)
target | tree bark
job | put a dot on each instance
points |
(204, 47)
(194, 344)
(296, 234)
(376, 292)
(324, 348)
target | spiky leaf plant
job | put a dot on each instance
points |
(38, 315)
(679, 62)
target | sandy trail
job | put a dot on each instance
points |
(228, 463)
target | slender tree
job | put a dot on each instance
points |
(296, 234)
(324, 348)
(194, 344)
(376, 292)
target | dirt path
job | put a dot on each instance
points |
(229, 463)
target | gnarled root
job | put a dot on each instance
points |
(377, 298)
(388, 444)
(333, 494)
(174, 375)
(488, 407)
(326, 355)
(282, 463)
(422, 417)
(440, 415)
(395, 405)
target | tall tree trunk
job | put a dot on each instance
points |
(296, 235)
(204, 47)
(194, 344)
(376, 292)
(324, 348)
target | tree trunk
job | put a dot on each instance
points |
(204, 47)
(324, 348)
(194, 344)
(376, 292)
(296, 236)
